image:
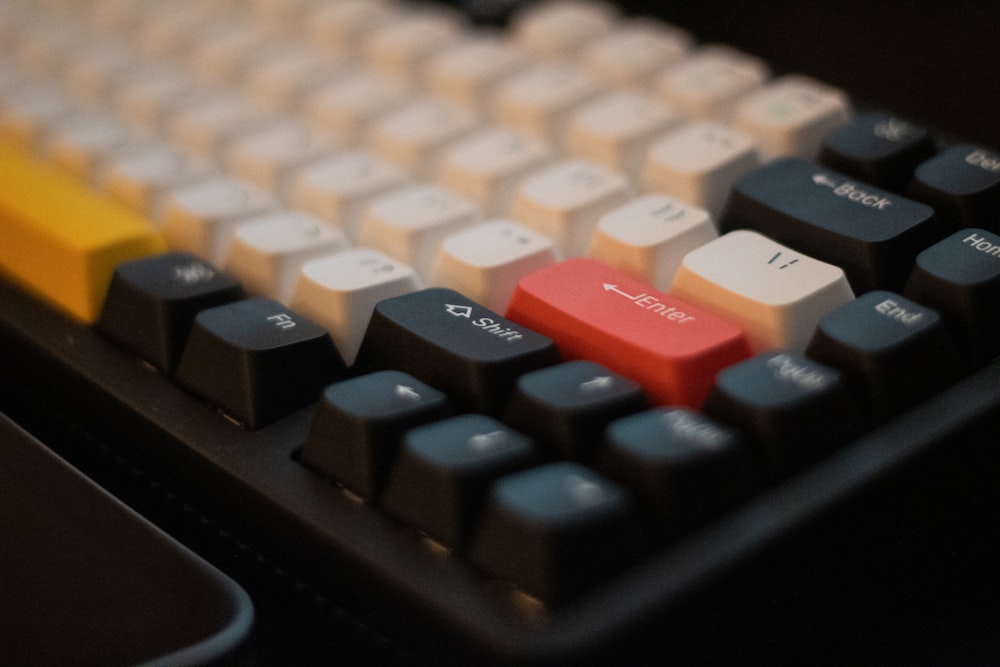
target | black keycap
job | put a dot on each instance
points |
(877, 148)
(445, 469)
(359, 423)
(556, 530)
(795, 410)
(454, 344)
(893, 350)
(871, 234)
(566, 407)
(683, 464)
(257, 360)
(152, 302)
(960, 277)
(962, 183)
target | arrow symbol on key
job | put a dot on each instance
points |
(407, 393)
(598, 383)
(459, 311)
(822, 179)
(608, 287)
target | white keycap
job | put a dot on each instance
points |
(616, 129)
(96, 69)
(565, 201)
(82, 143)
(469, 72)
(284, 79)
(775, 294)
(414, 136)
(559, 28)
(151, 92)
(347, 108)
(339, 189)
(791, 116)
(224, 55)
(44, 47)
(208, 127)
(410, 223)
(267, 253)
(648, 237)
(268, 158)
(169, 29)
(708, 83)
(342, 25)
(339, 292)
(634, 52)
(541, 99)
(488, 166)
(201, 218)
(485, 262)
(698, 164)
(141, 179)
(27, 113)
(401, 48)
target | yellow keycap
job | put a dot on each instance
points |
(61, 240)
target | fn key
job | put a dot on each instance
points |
(257, 360)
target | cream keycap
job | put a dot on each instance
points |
(401, 48)
(488, 165)
(339, 189)
(339, 292)
(565, 201)
(410, 223)
(633, 53)
(616, 129)
(698, 163)
(775, 294)
(485, 262)
(60, 239)
(791, 116)
(415, 135)
(648, 237)
(559, 28)
(468, 72)
(708, 84)
(540, 100)
(142, 178)
(271, 155)
(267, 253)
(201, 218)
(347, 108)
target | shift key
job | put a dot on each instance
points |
(670, 347)
(873, 235)
(455, 345)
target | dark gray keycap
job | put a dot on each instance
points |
(963, 185)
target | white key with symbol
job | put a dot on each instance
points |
(488, 166)
(267, 253)
(201, 218)
(410, 223)
(649, 237)
(698, 164)
(775, 294)
(566, 200)
(339, 292)
(791, 115)
(707, 84)
(485, 262)
(339, 189)
(616, 129)
(268, 157)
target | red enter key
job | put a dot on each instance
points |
(592, 311)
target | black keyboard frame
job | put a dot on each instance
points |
(925, 464)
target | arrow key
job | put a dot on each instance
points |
(445, 470)
(567, 406)
(356, 433)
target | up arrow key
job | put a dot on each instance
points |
(407, 393)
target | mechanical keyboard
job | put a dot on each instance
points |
(573, 341)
